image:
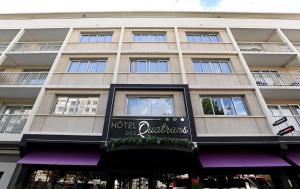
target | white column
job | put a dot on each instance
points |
(286, 40)
(42, 92)
(118, 58)
(181, 62)
(260, 97)
(11, 44)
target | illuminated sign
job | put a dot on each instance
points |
(280, 121)
(143, 127)
(286, 130)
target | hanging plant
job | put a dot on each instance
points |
(117, 142)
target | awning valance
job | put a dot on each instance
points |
(59, 157)
(232, 159)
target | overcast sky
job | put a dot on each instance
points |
(25, 6)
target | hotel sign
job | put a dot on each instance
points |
(143, 127)
(280, 121)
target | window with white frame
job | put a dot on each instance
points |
(150, 106)
(203, 37)
(95, 37)
(229, 105)
(87, 65)
(212, 66)
(149, 65)
(149, 37)
(76, 105)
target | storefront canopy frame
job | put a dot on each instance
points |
(60, 157)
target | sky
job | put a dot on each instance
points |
(27, 6)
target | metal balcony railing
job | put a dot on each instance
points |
(292, 120)
(22, 78)
(263, 47)
(10, 123)
(3, 46)
(277, 79)
(36, 46)
(297, 46)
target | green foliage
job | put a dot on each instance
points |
(19, 186)
(197, 186)
(117, 142)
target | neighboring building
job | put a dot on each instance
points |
(142, 99)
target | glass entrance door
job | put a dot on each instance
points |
(155, 181)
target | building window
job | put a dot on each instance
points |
(151, 66)
(203, 37)
(14, 118)
(149, 37)
(224, 105)
(72, 105)
(150, 106)
(95, 37)
(212, 66)
(87, 66)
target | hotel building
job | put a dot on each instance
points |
(150, 100)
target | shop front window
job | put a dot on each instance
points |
(46, 179)
(243, 181)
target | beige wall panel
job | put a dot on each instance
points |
(74, 124)
(232, 126)
(84, 79)
(221, 80)
(120, 101)
(146, 78)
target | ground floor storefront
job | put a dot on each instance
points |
(89, 166)
(88, 162)
(44, 179)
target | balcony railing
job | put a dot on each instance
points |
(10, 123)
(292, 120)
(297, 46)
(3, 46)
(36, 46)
(277, 79)
(22, 78)
(263, 47)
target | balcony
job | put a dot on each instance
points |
(262, 47)
(292, 120)
(36, 46)
(22, 78)
(206, 47)
(21, 84)
(11, 123)
(3, 46)
(277, 79)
